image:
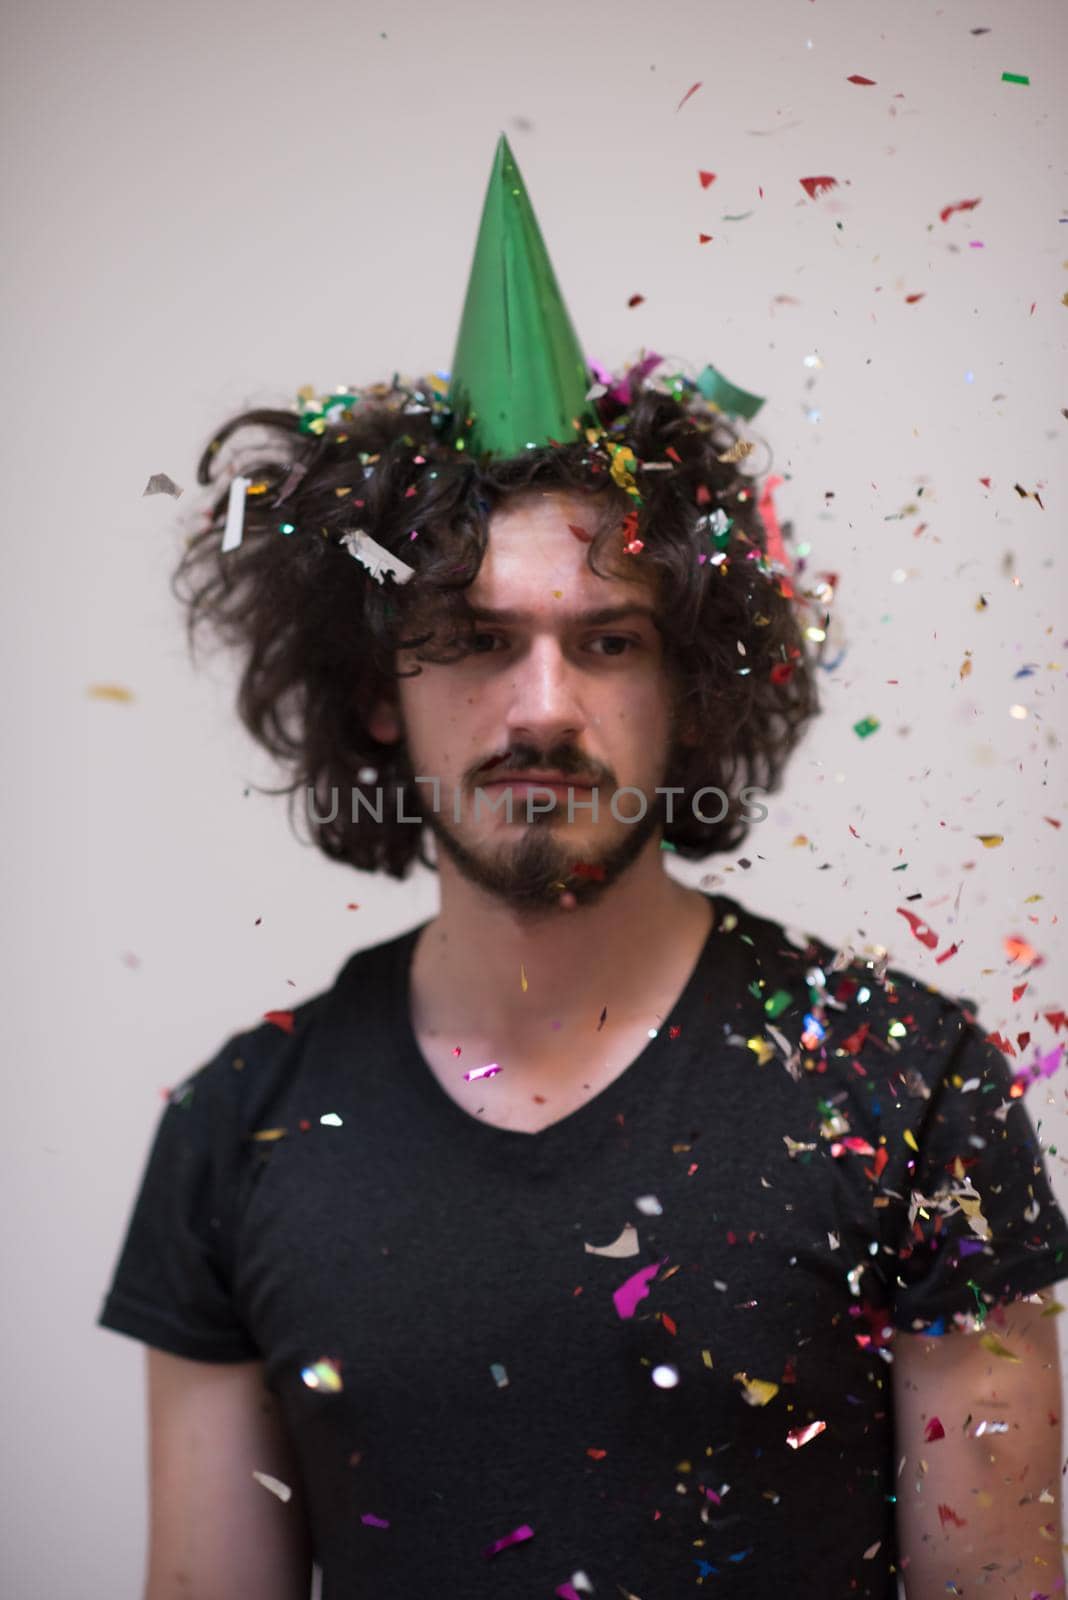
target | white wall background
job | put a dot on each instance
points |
(208, 206)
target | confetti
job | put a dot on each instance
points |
(281, 1019)
(1015, 77)
(991, 1342)
(276, 1486)
(855, 77)
(799, 1436)
(489, 1071)
(990, 840)
(692, 90)
(944, 216)
(109, 691)
(159, 483)
(919, 928)
(706, 178)
(379, 561)
(634, 1289)
(235, 513)
(625, 1244)
(934, 1430)
(865, 726)
(519, 1536)
(814, 187)
(756, 1391)
(323, 1375)
(369, 1520)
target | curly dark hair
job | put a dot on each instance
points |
(318, 636)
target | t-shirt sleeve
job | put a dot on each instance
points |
(982, 1219)
(172, 1285)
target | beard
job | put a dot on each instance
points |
(531, 872)
(541, 858)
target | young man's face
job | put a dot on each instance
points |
(549, 689)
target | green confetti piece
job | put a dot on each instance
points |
(777, 1003)
(1015, 77)
(734, 401)
(865, 726)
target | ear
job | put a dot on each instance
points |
(384, 723)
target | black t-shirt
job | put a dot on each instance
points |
(602, 1349)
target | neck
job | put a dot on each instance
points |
(619, 952)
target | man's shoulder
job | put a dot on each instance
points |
(839, 1001)
(254, 1062)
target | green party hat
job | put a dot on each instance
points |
(518, 376)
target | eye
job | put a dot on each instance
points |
(616, 638)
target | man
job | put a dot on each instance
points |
(598, 1237)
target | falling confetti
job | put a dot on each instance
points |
(692, 90)
(706, 178)
(814, 187)
(944, 215)
(276, 1486)
(919, 928)
(159, 483)
(855, 77)
(756, 1391)
(519, 1536)
(281, 1019)
(109, 691)
(1015, 77)
(799, 1436)
(865, 726)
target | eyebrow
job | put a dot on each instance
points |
(605, 614)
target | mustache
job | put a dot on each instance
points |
(528, 758)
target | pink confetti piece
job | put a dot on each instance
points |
(369, 1520)
(934, 1430)
(489, 1071)
(635, 1288)
(692, 90)
(799, 1436)
(519, 1536)
(814, 187)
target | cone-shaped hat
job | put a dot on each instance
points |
(518, 374)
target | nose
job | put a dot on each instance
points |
(545, 704)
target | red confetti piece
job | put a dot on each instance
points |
(814, 187)
(1003, 1044)
(855, 77)
(1018, 949)
(595, 1454)
(1052, 822)
(875, 1172)
(706, 178)
(985, 482)
(947, 1514)
(911, 299)
(580, 533)
(781, 672)
(281, 1019)
(855, 1042)
(946, 954)
(919, 928)
(636, 300)
(1056, 1019)
(958, 205)
(705, 238)
(934, 1430)
(1018, 990)
(692, 90)
(669, 1322)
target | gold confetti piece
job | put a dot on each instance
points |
(991, 1342)
(756, 1391)
(109, 691)
(269, 1133)
(522, 978)
(276, 1486)
(738, 451)
(761, 1048)
(990, 840)
(910, 1140)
